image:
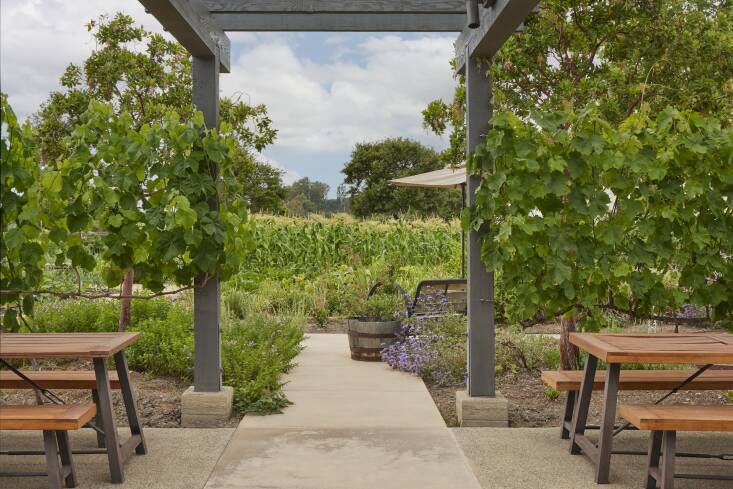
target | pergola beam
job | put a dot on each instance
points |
(191, 24)
(338, 6)
(498, 23)
(341, 22)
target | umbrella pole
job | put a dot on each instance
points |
(463, 233)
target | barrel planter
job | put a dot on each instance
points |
(368, 338)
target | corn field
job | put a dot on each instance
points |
(311, 246)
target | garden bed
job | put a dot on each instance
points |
(158, 398)
(529, 407)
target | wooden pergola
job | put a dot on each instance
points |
(484, 25)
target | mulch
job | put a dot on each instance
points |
(529, 407)
(158, 398)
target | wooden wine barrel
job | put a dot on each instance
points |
(368, 338)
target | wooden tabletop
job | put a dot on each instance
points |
(64, 345)
(699, 348)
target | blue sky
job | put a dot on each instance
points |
(325, 91)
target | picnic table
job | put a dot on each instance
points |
(98, 347)
(704, 349)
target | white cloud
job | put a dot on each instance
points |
(39, 38)
(347, 92)
(328, 107)
(289, 176)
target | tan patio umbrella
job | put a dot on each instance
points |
(446, 178)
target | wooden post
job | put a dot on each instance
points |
(206, 299)
(481, 376)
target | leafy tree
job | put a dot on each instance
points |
(588, 216)
(616, 54)
(371, 167)
(308, 195)
(262, 185)
(146, 83)
(126, 197)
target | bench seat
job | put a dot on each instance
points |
(632, 380)
(678, 417)
(664, 421)
(56, 379)
(570, 380)
(66, 417)
(55, 420)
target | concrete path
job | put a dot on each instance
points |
(536, 458)
(177, 458)
(353, 425)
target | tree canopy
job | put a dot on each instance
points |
(371, 167)
(145, 75)
(615, 54)
(587, 216)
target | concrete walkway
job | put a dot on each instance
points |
(353, 425)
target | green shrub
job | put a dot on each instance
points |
(84, 315)
(551, 394)
(382, 307)
(517, 350)
(255, 353)
(165, 346)
(729, 395)
(77, 315)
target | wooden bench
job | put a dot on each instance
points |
(664, 422)
(632, 380)
(55, 420)
(57, 379)
(60, 379)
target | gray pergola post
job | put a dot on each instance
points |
(206, 299)
(481, 377)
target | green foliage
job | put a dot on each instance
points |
(288, 247)
(371, 167)
(152, 205)
(517, 350)
(166, 345)
(382, 307)
(22, 244)
(82, 315)
(618, 55)
(133, 198)
(256, 351)
(587, 216)
(262, 185)
(551, 393)
(729, 395)
(145, 75)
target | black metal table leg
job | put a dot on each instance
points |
(51, 448)
(669, 448)
(128, 396)
(655, 452)
(608, 419)
(568, 414)
(580, 414)
(108, 421)
(67, 460)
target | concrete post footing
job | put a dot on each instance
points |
(206, 409)
(491, 412)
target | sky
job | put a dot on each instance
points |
(325, 92)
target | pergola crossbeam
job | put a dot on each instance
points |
(192, 25)
(341, 22)
(498, 23)
(338, 6)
